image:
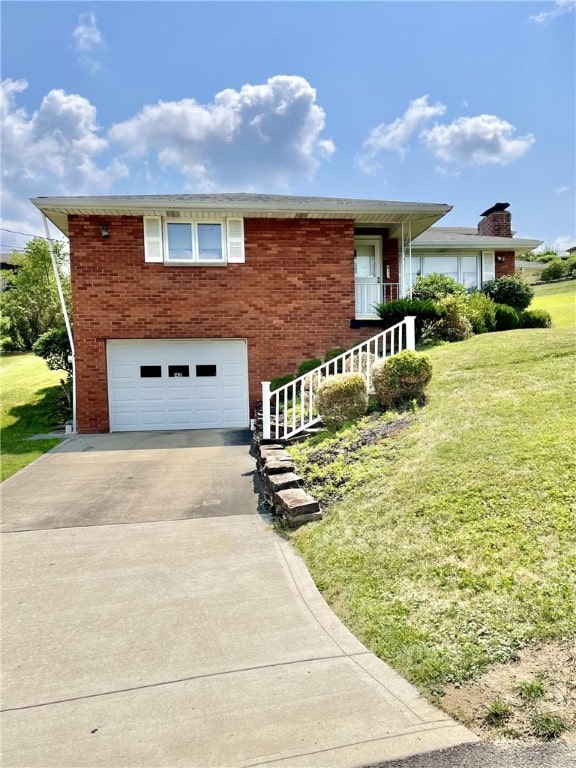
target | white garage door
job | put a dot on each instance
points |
(180, 384)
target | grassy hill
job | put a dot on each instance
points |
(452, 543)
(29, 407)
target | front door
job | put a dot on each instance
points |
(367, 274)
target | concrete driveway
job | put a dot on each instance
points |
(151, 617)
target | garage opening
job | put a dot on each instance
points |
(165, 384)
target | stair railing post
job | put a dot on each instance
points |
(410, 321)
(266, 410)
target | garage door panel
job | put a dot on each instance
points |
(170, 384)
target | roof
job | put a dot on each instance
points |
(442, 238)
(384, 213)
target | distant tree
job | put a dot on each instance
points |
(31, 306)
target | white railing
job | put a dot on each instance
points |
(368, 295)
(291, 409)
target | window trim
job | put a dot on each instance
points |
(193, 224)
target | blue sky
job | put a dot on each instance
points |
(466, 103)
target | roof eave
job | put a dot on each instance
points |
(420, 215)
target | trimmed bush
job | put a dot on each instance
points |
(510, 290)
(453, 325)
(394, 311)
(570, 266)
(554, 271)
(280, 381)
(481, 311)
(332, 353)
(359, 362)
(308, 365)
(342, 398)
(507, 318)
(436, 286)
(535, 318)
(401, 378)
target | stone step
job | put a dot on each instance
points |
(283, 481)
(276, 467)
(295, 503)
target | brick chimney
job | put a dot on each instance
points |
(497, 221)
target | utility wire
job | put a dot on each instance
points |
(27, 234)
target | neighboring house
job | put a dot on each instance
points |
(7, 268)
(183, 304)
(571, 250)
(471, 255)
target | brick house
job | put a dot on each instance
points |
(183, 304)
(471, 255)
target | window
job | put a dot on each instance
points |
(150, 371)
(194, 241)
(178, 371)
(167, 241)
(205, 370)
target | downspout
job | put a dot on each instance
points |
(72, 357)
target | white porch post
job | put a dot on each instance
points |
(410, 321)
(266, 410)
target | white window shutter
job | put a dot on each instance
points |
(153, 239)
(235, 231)
(488, 266)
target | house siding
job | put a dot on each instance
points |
(291, 300)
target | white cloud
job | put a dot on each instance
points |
(395, 136)
(87, 36)
(445, 172)
(479, 140)
(562, 243)
(55, 150)
(87, 39)
(260, 136)
(562, 189)
(560, 8)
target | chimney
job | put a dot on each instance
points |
(497, 221)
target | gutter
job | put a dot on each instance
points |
(72, 357)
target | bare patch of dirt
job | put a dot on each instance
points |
(542, 679)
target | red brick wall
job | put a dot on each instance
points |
(508, 264)
(291, 300)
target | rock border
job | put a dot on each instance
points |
(283, 491)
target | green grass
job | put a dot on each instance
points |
(29, 406)
(560, 300)
(454, 541)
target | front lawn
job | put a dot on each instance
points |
(29, 395)
(452, 539)
(559, 299)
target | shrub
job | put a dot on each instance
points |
(401, 378)
(535, 318)
(394, 311)
(555, 270)
(308, 365)
(332, 353)
(510, 290)
(453, 325)
(54, 347)
(342, 398)
(280, 381)
(359, 362)
(481, 311)
(570, 266)
(506, 318)
(436, 286)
